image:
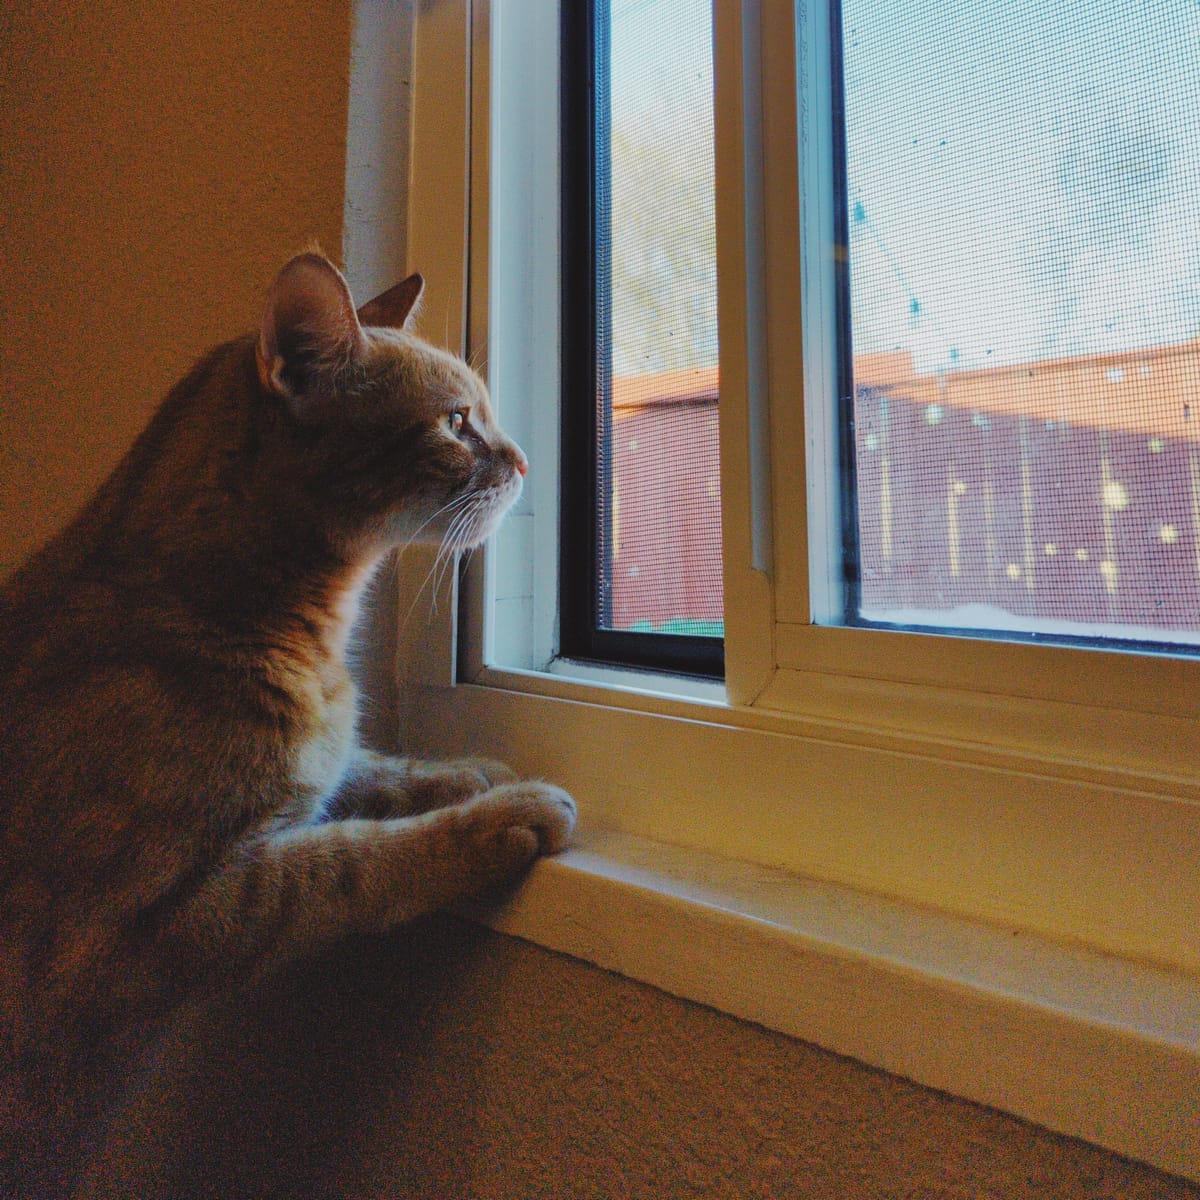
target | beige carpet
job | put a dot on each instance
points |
(455, 1063)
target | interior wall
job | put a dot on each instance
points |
(158, 163)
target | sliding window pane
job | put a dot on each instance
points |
(658, 511)
(1022, 204)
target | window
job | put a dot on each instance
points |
(1021, 207)
(641, 572)
(999, 779)
(1047, 788)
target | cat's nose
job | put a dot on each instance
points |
(521, 463)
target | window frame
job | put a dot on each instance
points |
(1003, 781)
(939, 798)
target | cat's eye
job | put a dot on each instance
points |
(458, 419)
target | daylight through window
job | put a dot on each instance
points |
(652, 583)
(1022, 207)
(661, 566)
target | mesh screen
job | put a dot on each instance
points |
(659, 512)
(1023, 211)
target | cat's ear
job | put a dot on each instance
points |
(309, 329)
(395, 307)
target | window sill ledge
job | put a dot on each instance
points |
(1083, 1043)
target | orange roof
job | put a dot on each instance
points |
(694, 386)
(1153, 392)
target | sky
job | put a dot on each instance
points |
(663, 225)
(1024, 176)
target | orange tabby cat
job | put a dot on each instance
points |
(181, 795)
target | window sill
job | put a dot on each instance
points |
(1075, 852)
(1084, 1043)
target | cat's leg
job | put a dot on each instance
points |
(380, 786)
(283, 894)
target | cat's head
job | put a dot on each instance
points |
(400, 441)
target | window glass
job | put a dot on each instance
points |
(659, 538)
(1022, 314)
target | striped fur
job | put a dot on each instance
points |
(181, 793)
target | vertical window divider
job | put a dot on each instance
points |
(578, 606)
(823, 379)
(742, 267)
(476, 585)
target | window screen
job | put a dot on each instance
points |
(650, 590)
(1022, 314)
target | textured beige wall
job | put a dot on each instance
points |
(158, 161)
(452, 1063)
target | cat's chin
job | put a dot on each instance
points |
(488, 512)
(404, 532)
(492, 522)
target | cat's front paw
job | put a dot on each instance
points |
(513, 823)
(433, 785)
(547, 810)
(489, 770)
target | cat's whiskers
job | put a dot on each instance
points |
(464, 504)
(462, 536)
(457, 537)
(458, 501)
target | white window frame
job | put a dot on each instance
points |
(954, 787)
